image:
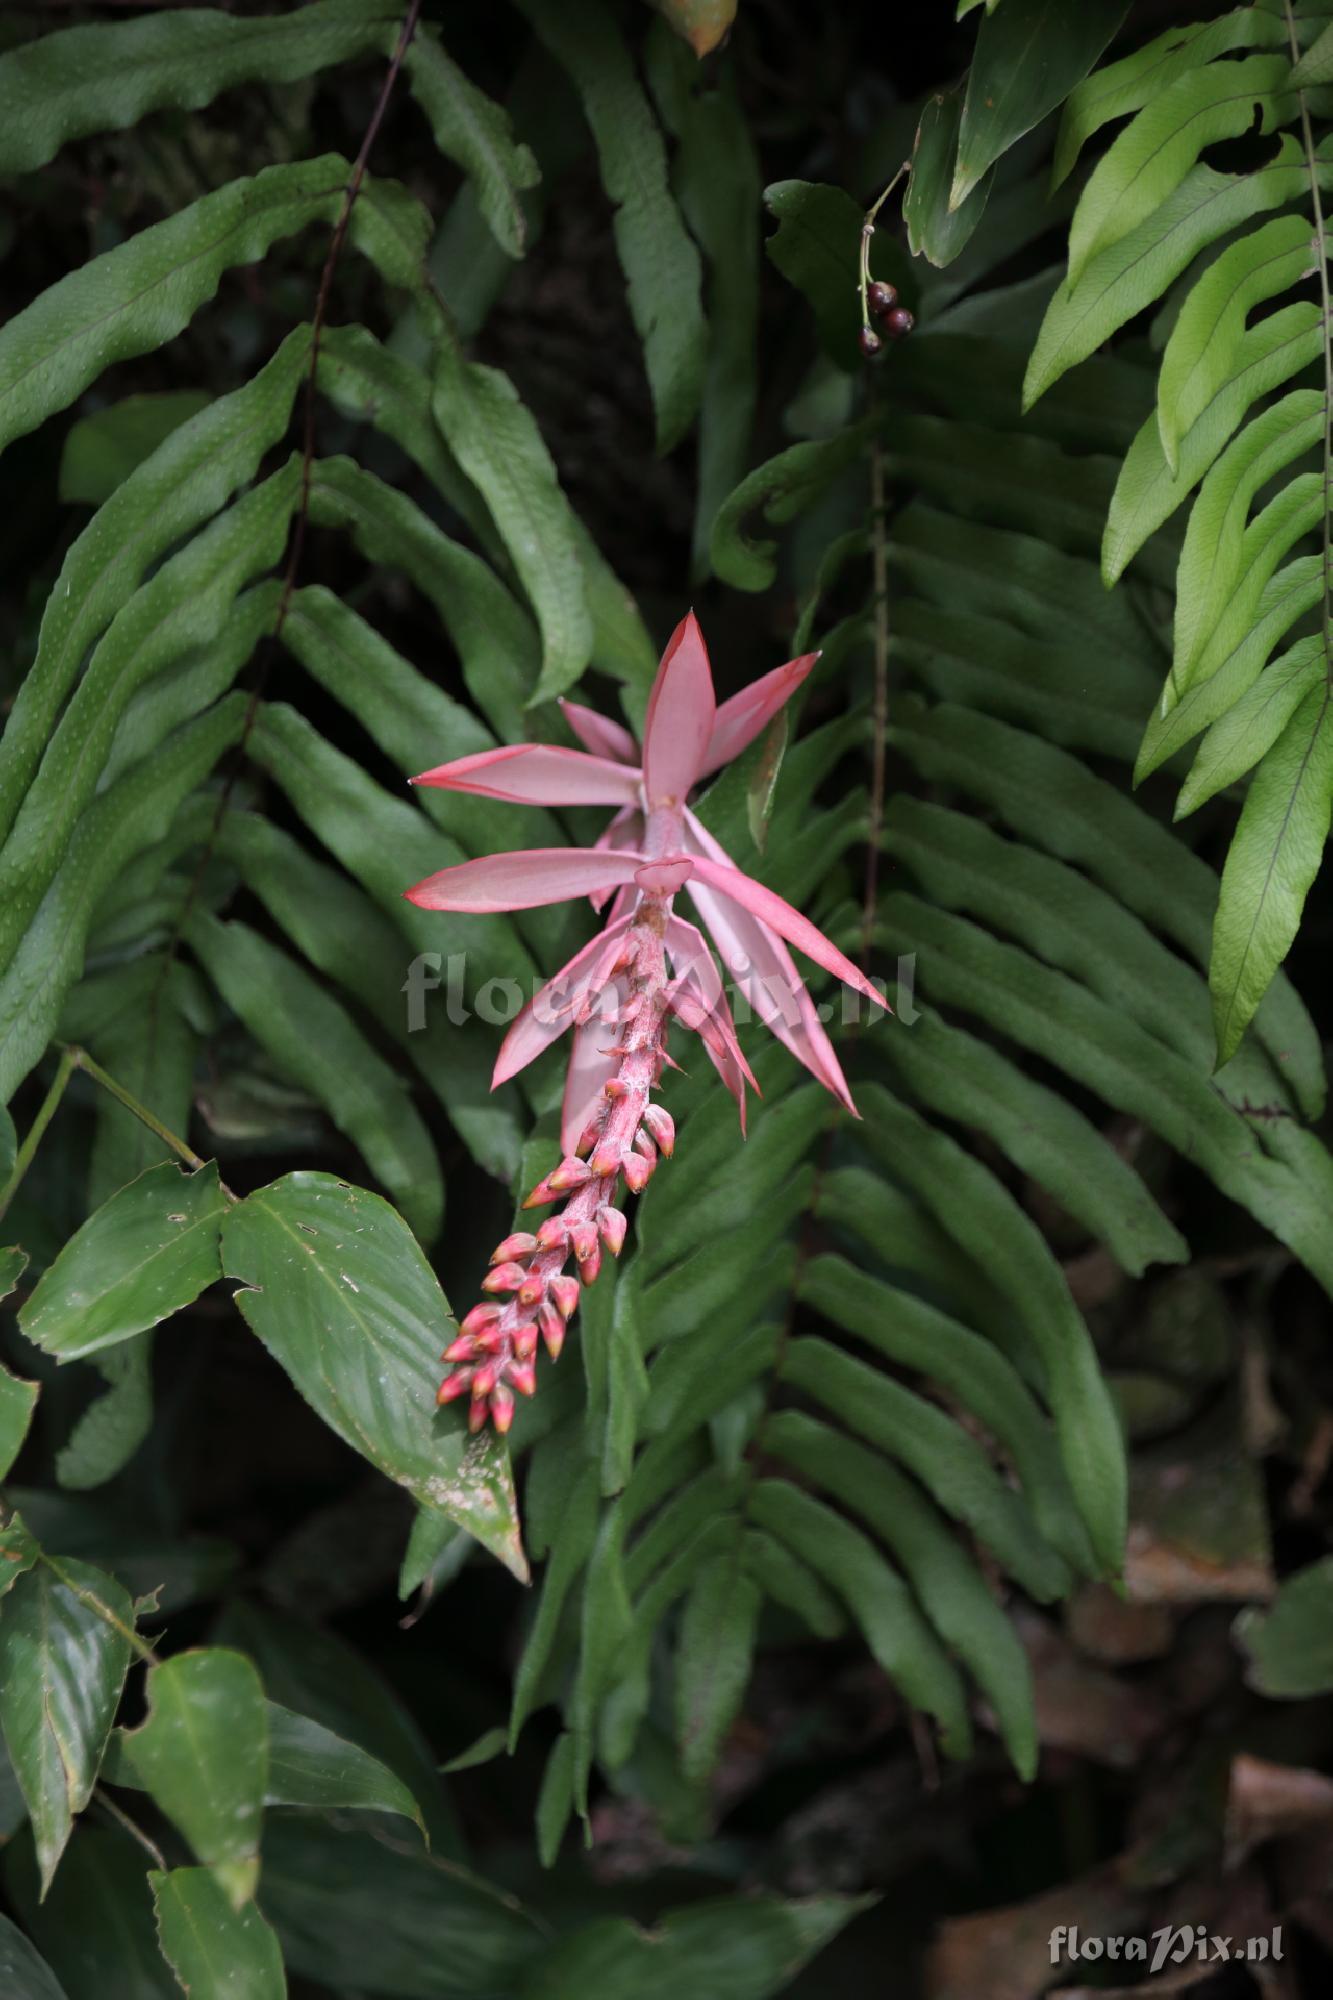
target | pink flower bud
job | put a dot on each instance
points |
(461, 1349)
(565, 1295)
(662, 1126)
(525, 1338)
(615, 1089)
(590, 1265)
(643, 1144)
(523, 1376)
(571, 1173)
(476, 1414)
(531, 1290)
(504, 1278)
(541, 1194)
(480, 1316)
(492, 1339)
(583, 1236)
(606, 1159)
(484, 1380)
(517, 1245)
(502, 1408)
(638, 1172)
(553, 1233)
(454, 1385)
(611, 1225)
(553, 1329)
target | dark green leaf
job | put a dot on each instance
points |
(935, 230)
(151, 1250)
(213, 1948)
(1029, 56)
(1290, 1645)
(65, 1635)
(340, 1294)
(203, 1754)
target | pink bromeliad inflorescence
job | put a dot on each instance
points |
(619, 994)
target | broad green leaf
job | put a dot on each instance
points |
(713, 1656)
(212, 1947)
(473, 130)
(877, 1598)
(1274, 857)
(1110, 1054)
(340, 1294)
(18, 1399)
(571, 1546)
(1150, 159)
(496, 639)
(185, 604)
(1206, 342)
(25, 1975)
(1058, 805)
(314, 1040)
(657, 255)
(1147, 493)
(967, 1200)
(555, 1800)
(932, 1446)
(1118, 88)
(386, 843)
(132, 299)
(1290, 1644)
(19, 1550)
(791, 1583)
(106, 77)
(1227, 558)
(1131, 274)
(728, 1949)
(65, 1640)
(203, 1755)
(911, 1333)
(102, 450)
(337, 927)
(186, 480)
(448, 1935)
(1235, 743)
(717, 179)
(1286, 597)
(150, 1251)
(115, 1424)
(816, 246)
(313, 1673)
(496, 441)
(1316, 65)
(1029, 56)
(309, 1766)
(96, 1918)
(947, 1581)
(783, 488)
(934, 229)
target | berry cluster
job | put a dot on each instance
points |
(896, 320)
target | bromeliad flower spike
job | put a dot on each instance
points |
(621, 992)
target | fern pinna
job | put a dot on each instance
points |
(863, 1377)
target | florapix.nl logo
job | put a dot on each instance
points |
(1173, 1944)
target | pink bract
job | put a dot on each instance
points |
(621, 991)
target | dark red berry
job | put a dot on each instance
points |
(898, 322)
(881, 298)
(871, 345)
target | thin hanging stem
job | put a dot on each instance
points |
(879, 572)
(1321, 258)
(108, 1805)
(23, 1159)
(73, 1058)
(296, 546)
(82, 1060)
(867, 233)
